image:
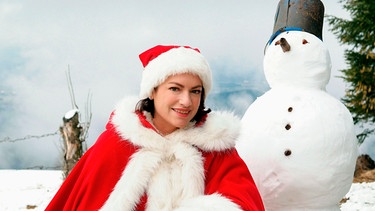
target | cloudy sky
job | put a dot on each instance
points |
(100, 41)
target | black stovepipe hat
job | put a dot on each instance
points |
(299, 15)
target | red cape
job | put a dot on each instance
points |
(94, 177)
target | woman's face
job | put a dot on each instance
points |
(176, 102)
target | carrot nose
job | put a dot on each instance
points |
(283, 44)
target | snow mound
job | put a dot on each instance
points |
(34, 189)
(28, 189)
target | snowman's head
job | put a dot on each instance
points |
(297, 59)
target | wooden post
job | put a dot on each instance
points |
(71, 133)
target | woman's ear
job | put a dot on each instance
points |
(152, 94)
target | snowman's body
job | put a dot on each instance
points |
(298, 141)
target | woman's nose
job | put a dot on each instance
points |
(185, 99)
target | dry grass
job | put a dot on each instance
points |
(365, 176)
(364, 169)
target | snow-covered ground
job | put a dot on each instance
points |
(26, 189)
(33, 189)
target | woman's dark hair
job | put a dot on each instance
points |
(148, 105)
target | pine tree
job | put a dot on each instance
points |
(359, 35)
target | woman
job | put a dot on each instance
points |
(169, 153)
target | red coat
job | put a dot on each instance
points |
(131, 167)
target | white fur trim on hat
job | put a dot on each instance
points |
(175, 61)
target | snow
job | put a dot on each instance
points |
(33, 189)
(22, 188)
(361, 197)
(70, 113)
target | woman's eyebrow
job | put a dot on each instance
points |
(178, 84)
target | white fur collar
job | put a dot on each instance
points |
(218, 133)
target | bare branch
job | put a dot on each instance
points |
(71, 90)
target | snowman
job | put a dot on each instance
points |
(297, 140)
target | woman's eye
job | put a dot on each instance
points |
(197, 91)
(174, 89)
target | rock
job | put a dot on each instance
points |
(364, 170)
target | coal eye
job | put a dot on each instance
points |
(304, 41)
(287, 152)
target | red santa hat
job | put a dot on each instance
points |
(160, 62)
